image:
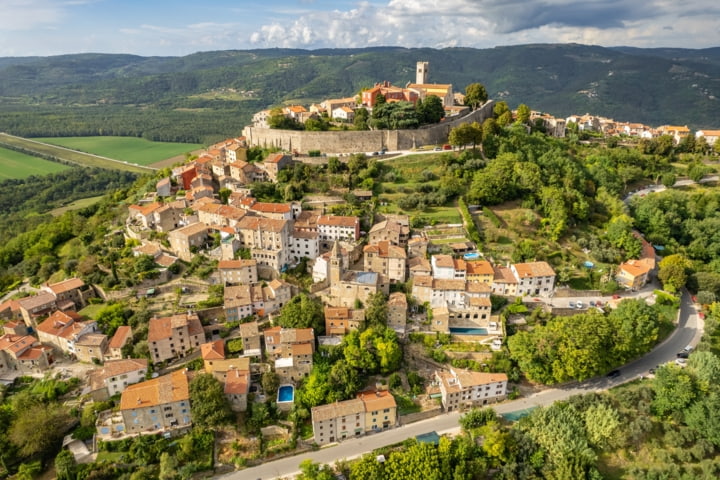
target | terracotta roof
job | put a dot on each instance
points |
(13, 305)
(161, 328)
(274, 158)
(534, 269)
(301, 349)
(33, 353)
(337, 220)
(165, 260)
(213, 350)
(297, 335)
(442, 284)
(635, 267)
(444, 261)
(192, 229)
(157, 391)
(397, 299)
(145, 210)
(234, 264)
(237, 382)
(380, 400)
(304, 234)
(249, 329)
(481, 302)
(58, 322)
(92, 339)
(384, 249)
(66, 285)
(458, 380)
(262, 224)
(503, 275)
(419, 263)
(478, 287)
(16, 343)
(340, 313)
(337, 409)
(237, 296)
(39, 300)
(113, 368)
(423, 281)
(265, 207)
(480, 267)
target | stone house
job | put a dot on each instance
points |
(389, 230)
(91, 347)
(122, 336)
(157, 405)
(186, 240)
(115, 376)
(24, 354)
(70, 294)
(63, 330)
(534, 278)
(386, 259)
(37, 306)
(342, 320)
(462, 389)
(397, 311)
(234, 272)
(251, 339)
(274, 163)
(175, 336)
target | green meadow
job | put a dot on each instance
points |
(18, 165)
(128, 149)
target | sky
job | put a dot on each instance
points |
(181, 27)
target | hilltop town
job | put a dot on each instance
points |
(316, 324)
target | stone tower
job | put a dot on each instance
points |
(336, 264)
(423, 70)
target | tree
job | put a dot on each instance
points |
(303, 311)
(37, 429)
(523, 113)
(704, 417)
(310, 470)
(476, 418)
(224, 194)
(168, 467)
(270, 382)
(419, 457)
(475, 95)
(208, 404)
(466, 134)
(28, 471)
(706, 366)
(637, 327)
(431, 110)
(344, 381)
(602, 423)
(674, 389)
(366, 468)
(376, 310)
(65, 465)
(361, 119)
(673, 272)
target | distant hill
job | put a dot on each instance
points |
(653, 86)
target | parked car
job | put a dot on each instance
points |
(571, 304)
(592, 303)
(681, 361)
(682, 354)
(614, 374)
(579, 304)
(616, 296)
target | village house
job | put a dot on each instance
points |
(304, 245)
(268, 240)
(23, 354)
(142, 215)
(70, 294)
(296, 362)
(163, 187)
(321, 267)
(419, 266)
(63, 330)
(157, 404)
(122, 336)
(250, 336)
(710, 136)
(440, 319)
(463, 389)
(278, 211)
(343, 114)
(479, 271)
(114, 376)
(390, 92)
(342, 320)
(36, 306)
(448, 268)
(246, 173)
(274, 163)
(91, 347)
(386, 259)
(389, 230)
(455, 294)
(335, 227)
(234, 272)
(10, 310)
(633, 274)
(278, 340)
(262, 299)
(370, 412)
(237, 387)
(186, 241)
(175, 336)
(534, 278)
(504, 282)
(418, 246)
(397, 311)
(220, 215)
(233, 373)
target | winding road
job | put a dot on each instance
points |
(688, 332)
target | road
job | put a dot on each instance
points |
(688, 332)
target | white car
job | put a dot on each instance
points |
(579, 304)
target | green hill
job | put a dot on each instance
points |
(208, 95)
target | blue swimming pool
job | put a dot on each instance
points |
(468, 330)
(471, 256)
(286, 393)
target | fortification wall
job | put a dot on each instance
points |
(361, 141)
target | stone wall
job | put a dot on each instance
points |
(361, 141)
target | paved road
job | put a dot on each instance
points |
(688, 332)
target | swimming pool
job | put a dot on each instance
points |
(286, 393)
(471, 256)
(468, 330)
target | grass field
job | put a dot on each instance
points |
(82, 203)
(128, 149)
(71, 156)
(18, 165)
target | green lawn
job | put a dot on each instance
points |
(129, 149)
(77, 204)
(92, 310)
(18, 165)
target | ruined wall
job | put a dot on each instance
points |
(361, 141)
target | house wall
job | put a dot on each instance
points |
(157, 417)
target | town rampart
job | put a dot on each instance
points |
(352, 141)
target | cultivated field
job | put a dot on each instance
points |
(18, 165)
(128, 149)
(72, 156)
